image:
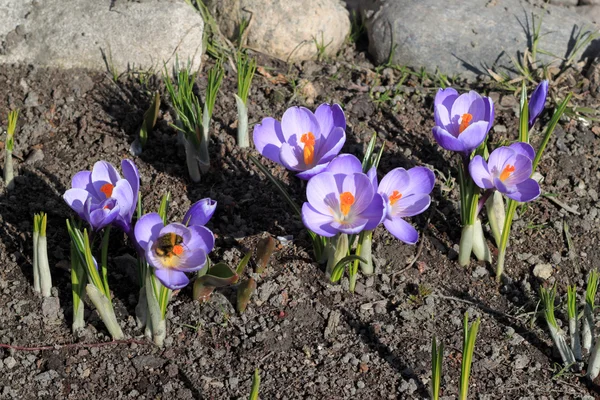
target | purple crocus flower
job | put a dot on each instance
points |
(406, 194)
(508, 170)
(200, 212)
(537, 102)
(102, 197)
(174, 249)
(342, 199)
(462, 122)
(303, 142)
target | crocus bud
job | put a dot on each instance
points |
(537, 102)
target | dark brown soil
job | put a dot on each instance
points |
(310, 339)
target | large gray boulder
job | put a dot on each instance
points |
(466, 37)
(285, 29)
(90, 33)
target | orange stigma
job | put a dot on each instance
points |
(465, 120)
(178, 249)
(309, 147)
(346, 201)
(395, 197)
(107, 189)
(509, 169)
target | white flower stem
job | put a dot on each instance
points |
(141, 309)
(106, 311)
(242, 128)
(496, 215)
(365, 252)
(156, 322)
(203, 154)
(574, 338)
(587, 329)
(561, 345)
(337, 249)
(45, 279)
(9, 174)
(191, 158)
(36, 270)
(480, 247)
(466, 245)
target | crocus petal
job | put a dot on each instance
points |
(148, 228)
(498, 159)
(446, 140)
(317, 222)
(489, 112)
(402, 230)
(171, 278)
(76, 199)
(82, 180)
(290, 158)
(309, 173)
(192, 260)
(537, 102)
(322, 193)
(201, 238)
(474, 135)
(102, 173)
(470, 103)
(522, 170)
(331, 146)
(478, 169)
(200, 212)
(374, 213)
(123, 193)
(298, 121)
(372, 174)
(268, 138)
(441, 116)
(101, 215)
(360, 186)
(523, 148)
(422, 180)
(411, 205)
(351, 227)
(344, 164)
(132, 175)
(525, 191)
(445, 98)
(397, 179)
(330, 117)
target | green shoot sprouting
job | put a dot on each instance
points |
(189, 116)
(321, 46)
(149, 121)
(470, 334)
(437, 357)
(548, 297)
(255, 385)
(246, 67)
(587, 329)
(41, 272)
(573, 321)
(214, 80)
(9, 176)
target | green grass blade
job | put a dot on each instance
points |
(524, 116)
(255, 385)
(550, 129)
(470, 335)
(163, 210)
(437, 357)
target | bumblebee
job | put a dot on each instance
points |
(169, 245)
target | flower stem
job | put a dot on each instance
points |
(353, 270)
(365, 252)
(106, 311)
(191, 159)
(510, 213)
(242, 128)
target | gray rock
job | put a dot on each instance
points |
(148, 361)
(288, 29)
(94, 34)
(51, 308)
(590, 12)
(521, 361)
(45, 378)
(10, 362)
(465, 37)
(542, 271)
(34, 155)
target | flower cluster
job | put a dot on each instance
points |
(462, 123)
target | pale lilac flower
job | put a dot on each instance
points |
(303, 142)
(342, 199)
(200, 212)
(173, 250)
(537, 102)
(101, 197)
(508, 170)
(462, 122)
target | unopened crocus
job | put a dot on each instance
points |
(342, 200)
(406, 194)
(200, 212)
(507, 170)
(537, 102)
(462, 121)
(173, 250)
(101, 197)
(303, 142)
